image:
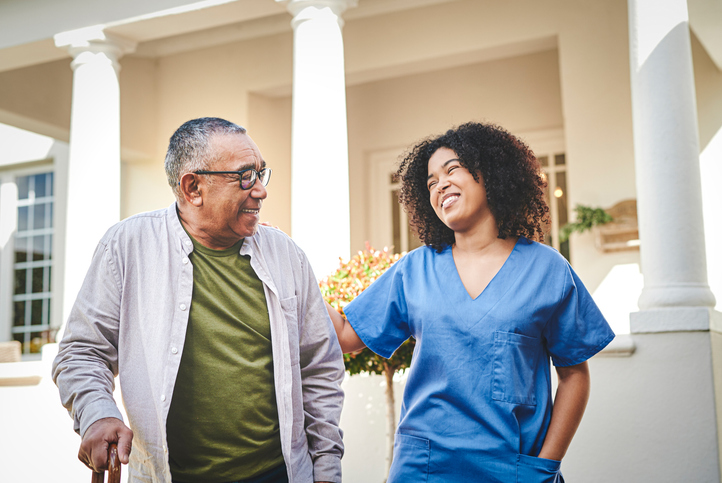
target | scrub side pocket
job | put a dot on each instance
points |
(515, 361)
(411, 459)
(538, 470)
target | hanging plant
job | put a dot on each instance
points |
(587, 217)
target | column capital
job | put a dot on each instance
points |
(336, 6)
(94, 40)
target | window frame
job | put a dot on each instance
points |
(384, 164)
(549, 143)
(8, 228)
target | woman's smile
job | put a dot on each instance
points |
(449, 200)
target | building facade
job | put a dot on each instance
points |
(620, 100)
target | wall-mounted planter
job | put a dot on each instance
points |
(622, 233)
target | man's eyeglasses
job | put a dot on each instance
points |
(247, 177)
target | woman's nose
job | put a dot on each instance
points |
(442, 185)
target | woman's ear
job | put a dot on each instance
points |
(190, 189)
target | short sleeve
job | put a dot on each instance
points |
(379, 315)
(577, 329)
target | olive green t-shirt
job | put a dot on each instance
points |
(223, 421)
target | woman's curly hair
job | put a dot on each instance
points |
(512, 178)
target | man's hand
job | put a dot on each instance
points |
(94, 446)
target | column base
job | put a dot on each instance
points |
(675, 319)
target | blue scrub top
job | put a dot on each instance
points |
(478, 399)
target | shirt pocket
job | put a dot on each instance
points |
(411, 459)
(530, 469)
(290, 314)
(513, 368)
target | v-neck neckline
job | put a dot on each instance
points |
(496, 275)
(472, 310)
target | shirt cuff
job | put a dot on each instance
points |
(95, 411)
(327, 468)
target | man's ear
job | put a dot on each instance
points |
(190, 189)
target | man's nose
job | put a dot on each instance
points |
(259, 191)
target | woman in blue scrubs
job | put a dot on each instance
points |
(489, 308)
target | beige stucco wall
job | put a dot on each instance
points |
(269, 124)
(139, 108)
(216, 81)
(594, 61)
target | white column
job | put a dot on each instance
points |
(93, 202)
(319, 179)
(676, 295)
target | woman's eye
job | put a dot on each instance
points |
(452, 168)
(431, 184)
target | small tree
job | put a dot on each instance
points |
(342, 287)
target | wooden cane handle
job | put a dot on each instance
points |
(113, 467)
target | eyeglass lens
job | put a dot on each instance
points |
(248, 177)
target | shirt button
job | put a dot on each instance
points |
(165, 449)
(185, 260)
(174, 350)
(189, 243)
(183, 306)
(162, 397)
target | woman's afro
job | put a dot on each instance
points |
(512, 178)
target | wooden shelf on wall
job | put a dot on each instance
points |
(622, 233)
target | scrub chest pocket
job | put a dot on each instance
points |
(515, 361)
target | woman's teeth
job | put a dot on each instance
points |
(449, 200)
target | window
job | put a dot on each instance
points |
(388, 223)
(548, 146)
(404, 237)
(28, 204)
(554, 166)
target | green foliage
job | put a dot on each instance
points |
(587, 217)
(341, 287)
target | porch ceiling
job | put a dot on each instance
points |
(197, 25)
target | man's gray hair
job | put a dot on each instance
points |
(189, 149)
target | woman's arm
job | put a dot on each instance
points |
(569, 405)
(347, 338)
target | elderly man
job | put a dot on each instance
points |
(228, 362)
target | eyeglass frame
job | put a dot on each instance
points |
(256, 175)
